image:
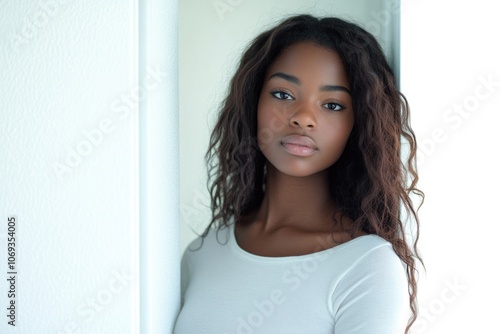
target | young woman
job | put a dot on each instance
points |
(307, 178)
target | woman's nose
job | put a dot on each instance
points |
(303, 117)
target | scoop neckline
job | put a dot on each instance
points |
(239, 250)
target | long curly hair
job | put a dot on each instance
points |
(370, 179)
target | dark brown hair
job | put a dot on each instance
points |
(368, 182)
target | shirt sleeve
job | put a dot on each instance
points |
(372, 297)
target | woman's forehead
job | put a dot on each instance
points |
(308, 61)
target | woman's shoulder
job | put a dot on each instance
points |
(366, 256)
(373, 256)
(367, 245)
(372, 248)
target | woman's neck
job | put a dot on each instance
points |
(303, 203)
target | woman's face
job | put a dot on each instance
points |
(305, 111)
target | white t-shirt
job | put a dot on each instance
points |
(357, 287)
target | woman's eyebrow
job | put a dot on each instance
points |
(287, 77)
(295, 80)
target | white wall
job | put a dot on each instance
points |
(451, 76)
(66, 168)
(212, 37)
(159, 168)
(80, 169)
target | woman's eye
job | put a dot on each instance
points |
(281, 95)
(334, 106)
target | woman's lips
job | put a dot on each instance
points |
(299, 145)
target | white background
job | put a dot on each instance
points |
(67, 165)
(447, 49)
